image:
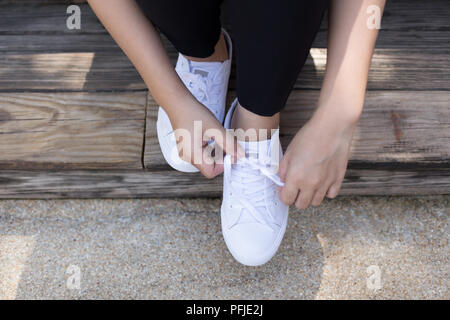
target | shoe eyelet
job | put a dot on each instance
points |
(231, 206)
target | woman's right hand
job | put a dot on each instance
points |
(194, 127)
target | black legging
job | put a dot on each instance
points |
(271, 41)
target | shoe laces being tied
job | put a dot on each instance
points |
(253, 183)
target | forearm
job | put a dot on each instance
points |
(140, 41)
(350, 48)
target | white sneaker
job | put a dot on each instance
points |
(253, 218)
(208, 83)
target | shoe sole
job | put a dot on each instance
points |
(167, 150)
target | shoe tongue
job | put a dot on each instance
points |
(263, 149)
(256, 149)
(205, 69)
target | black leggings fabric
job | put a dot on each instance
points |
(271, 41)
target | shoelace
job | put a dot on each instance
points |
(203, 88)
(250, 174)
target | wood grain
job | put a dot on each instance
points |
(38, 53)
(65, 72)
(138, 184)
(41, 131)
(73, 109)
(38, 17)
(391, 69)
(396, 127)
(404, 21)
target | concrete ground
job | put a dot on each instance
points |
(352, 247)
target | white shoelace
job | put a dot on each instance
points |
(249, 176)
(203, 88)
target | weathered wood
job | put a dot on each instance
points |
(392, 69)
(38, 17)
(138, 184)
(65, 72)
(152, 157)
(39, 53)
(396, 127)
(404, 21)
(401, 147)
(71, 130)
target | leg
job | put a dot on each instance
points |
(203, 65)
(193, 27)
(272, 40)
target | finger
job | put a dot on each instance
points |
(209, 167)
(218, 169)
(318, 196)
(333, 191)
(288, 193)
(282, 169)
(335, 187)
(304, 198)
(210, 171)
(322, 190)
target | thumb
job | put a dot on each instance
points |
(283, 168)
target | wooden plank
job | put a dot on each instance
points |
(40, 131)
(39, 54)
(396, 127)
(153, 157)
(138, 184)
(84, 71)
(58, 43)
(37, 17)
(391, 69)
(404, 21)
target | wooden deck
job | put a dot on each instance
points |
(76, 120)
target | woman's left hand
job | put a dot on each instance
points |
(315, 162)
